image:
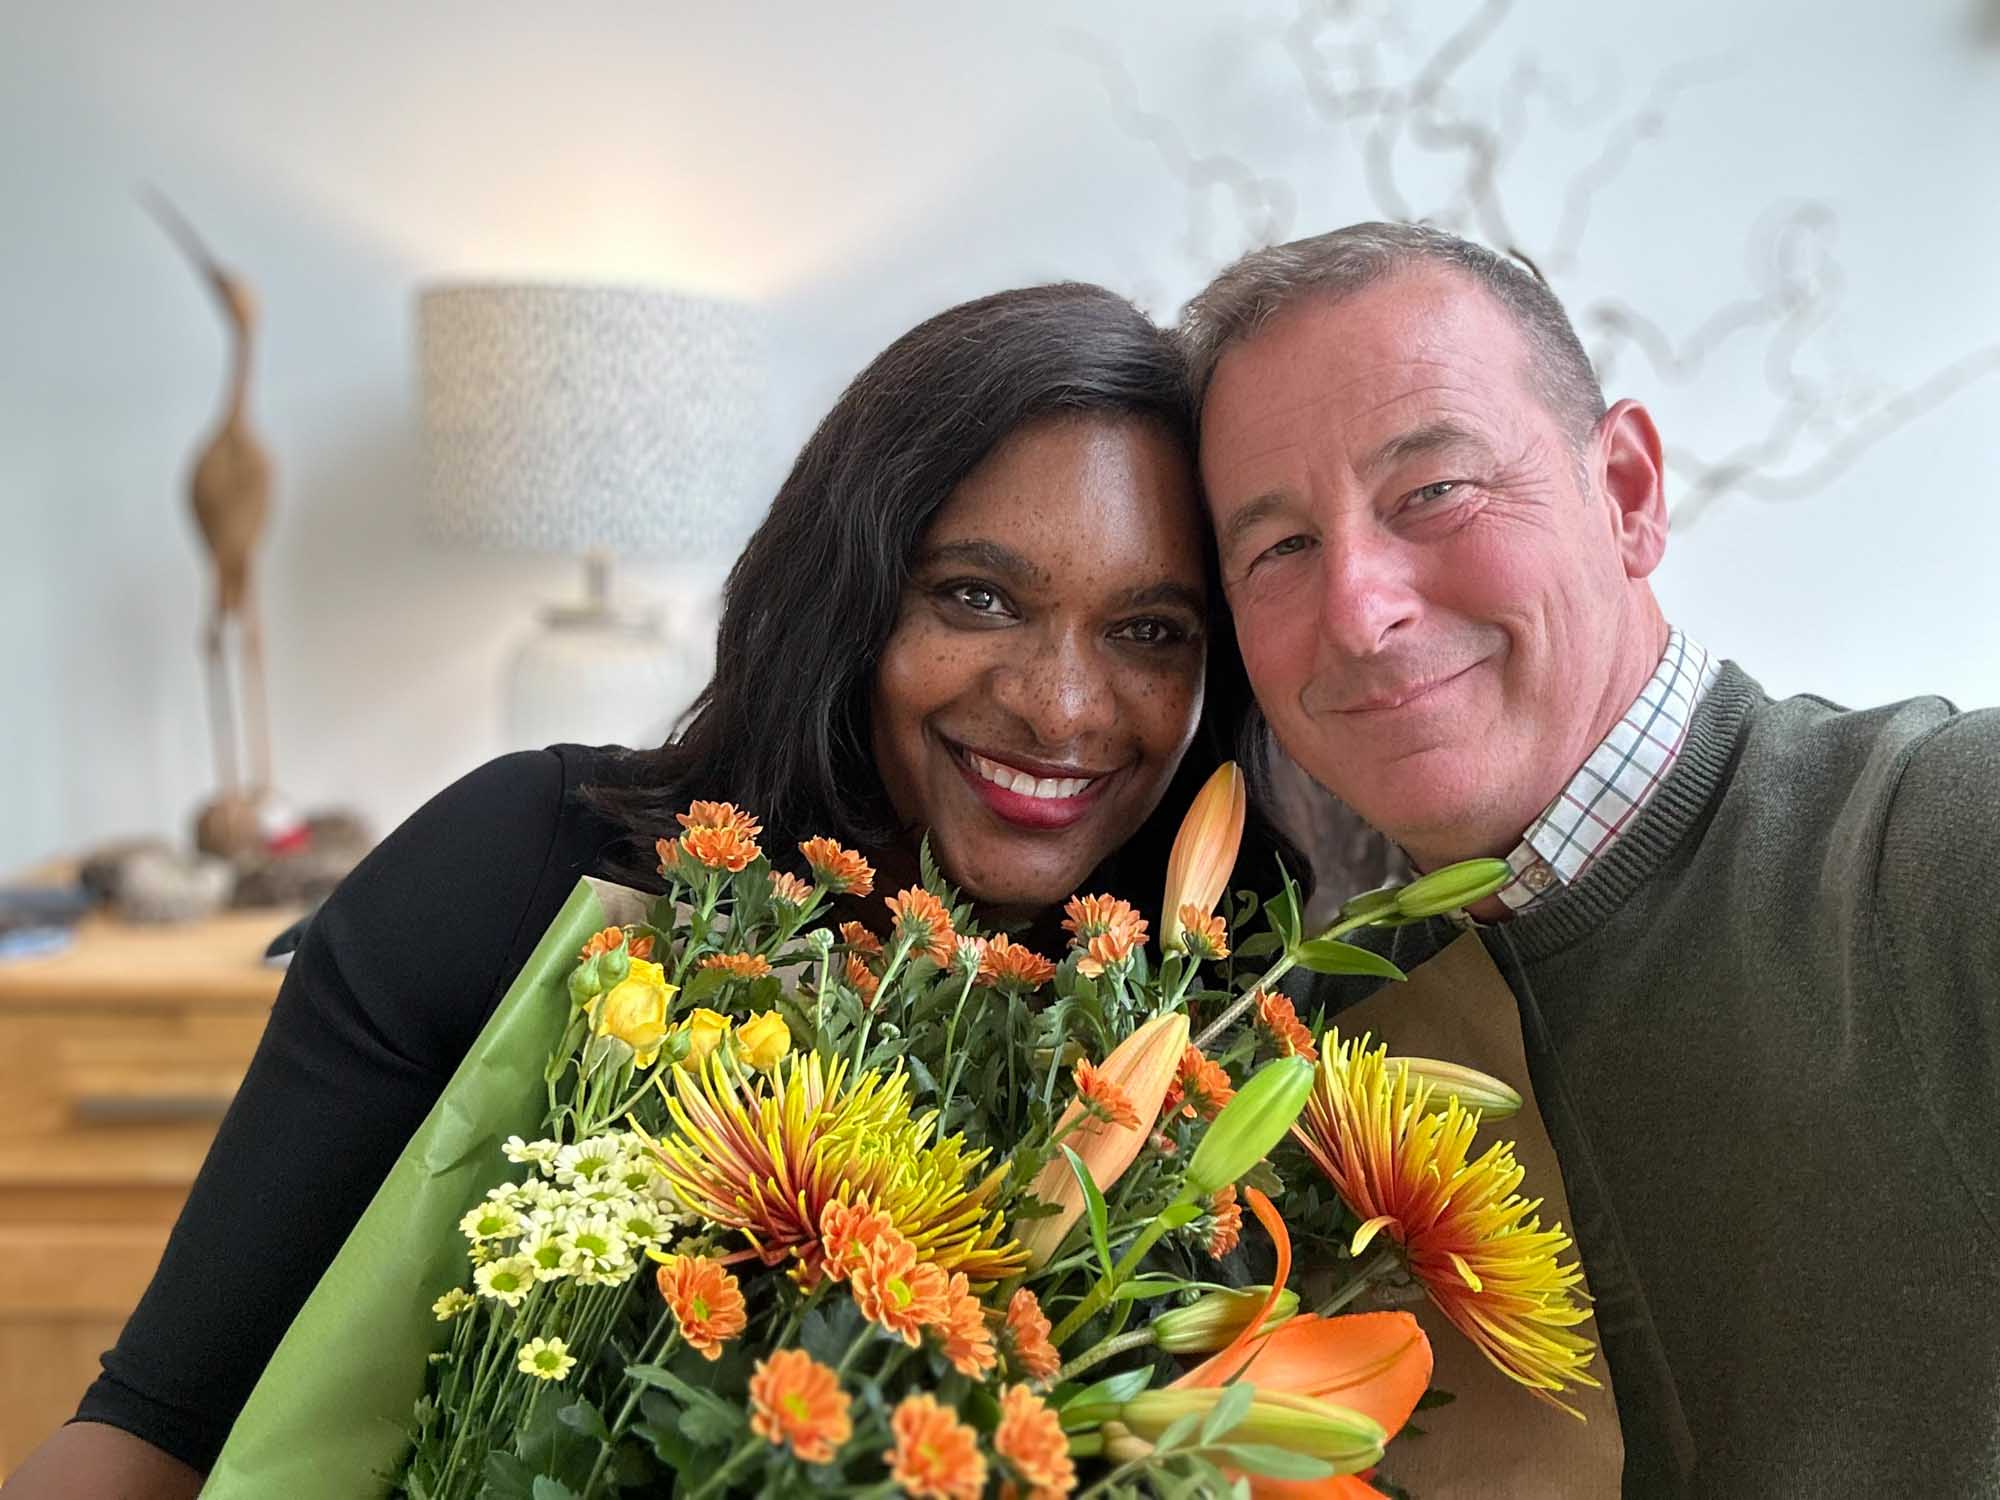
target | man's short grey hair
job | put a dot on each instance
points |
(1262, 284)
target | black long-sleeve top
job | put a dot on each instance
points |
(393, 979)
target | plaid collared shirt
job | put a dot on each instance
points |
(1609, 788)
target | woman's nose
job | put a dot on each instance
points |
(1061, 690)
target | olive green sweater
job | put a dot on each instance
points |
(1764, 1028)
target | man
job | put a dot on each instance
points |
(1754, 943)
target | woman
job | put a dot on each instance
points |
(982, 605)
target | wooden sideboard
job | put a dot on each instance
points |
(118, 1057)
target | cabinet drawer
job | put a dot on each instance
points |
(117, 1096)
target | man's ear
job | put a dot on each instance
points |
(1633, 475)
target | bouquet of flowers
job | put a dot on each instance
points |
(932, 1214)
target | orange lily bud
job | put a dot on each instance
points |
(1348, 1439)
(1471, 1088)
(1141, 1066)
(1204, 851)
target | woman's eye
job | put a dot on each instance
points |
(977, 597)
(1152, 632)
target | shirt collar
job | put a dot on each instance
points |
(1601, 800)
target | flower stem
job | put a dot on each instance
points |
(719, 1480)
(1100, 1294)
(1376, 1265)
(1138, 1338)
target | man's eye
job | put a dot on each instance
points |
(1297, 542)
(1433, 492)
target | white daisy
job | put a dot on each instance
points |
(451, 1304)
(490, 1221)
(508, 1280)
(541, 1153)
(545, 1359)
(586, 1161)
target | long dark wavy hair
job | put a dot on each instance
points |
(783, 726)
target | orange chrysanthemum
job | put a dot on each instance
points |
(1030, 1437)
(863, 980)
(706, 1301)
(797, 1402)
(1006, 962)
(1225, 1222)
(1086, 917)
(968, 1341)
(788, 890)
(641, 946)
(1103, 1097)
(601, 942)
(1276, 1015)
(841, 871)
(920, 918)
(719, 815)
(737, 965)
(860, 940)
(720, 848)
(936, 1456)
(1399, 1161)
(1204, 936)
(1027, 1333)
(1199, 1090)
(846, 1230)
(896, 1290)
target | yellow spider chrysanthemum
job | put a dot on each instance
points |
(765, 1156)
(1399, 1162)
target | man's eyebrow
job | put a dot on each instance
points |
(980, 553)
(1419, 441)
(1245, 516)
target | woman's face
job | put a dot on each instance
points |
(1045, 673)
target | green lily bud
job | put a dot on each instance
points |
(1206, 1325)
(1299, 1424)
(1472, 1088)
(1376, 903)
(584, 982)
(1453, 887)
(1250, 1124)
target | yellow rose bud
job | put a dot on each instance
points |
(635, 1010)
(764, 1039)
(1204, 1326)
(705, 1031)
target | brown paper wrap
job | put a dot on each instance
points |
(1496, 1438)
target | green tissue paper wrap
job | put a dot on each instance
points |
(326, 1418)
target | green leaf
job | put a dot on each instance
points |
(547, 1487)
(1276, 1463)
(1176, 1432)
(1093, 1202)
(1231, 1409)
(505, 1476)
(582, 1417)
(1331, 956)
(1150, 1286)
(1178, 1214)
(1433, 1398)
(711, 1422)
(1100, 1401)
(931, 875)
(1259, 945)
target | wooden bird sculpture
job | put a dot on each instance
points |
(231, 495)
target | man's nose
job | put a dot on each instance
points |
(1367, 593)
(1062, 690)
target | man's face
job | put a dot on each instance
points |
(1440, 605)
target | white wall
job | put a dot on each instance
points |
(858, 173)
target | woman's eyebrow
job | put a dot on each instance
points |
(1151, 595)
(980, 553)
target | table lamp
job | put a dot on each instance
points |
(603, 423)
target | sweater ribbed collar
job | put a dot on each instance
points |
(1675, 810)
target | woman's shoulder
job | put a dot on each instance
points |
(454, 900)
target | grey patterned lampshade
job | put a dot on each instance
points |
(572, 419)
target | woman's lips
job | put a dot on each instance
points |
(1020, 796)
